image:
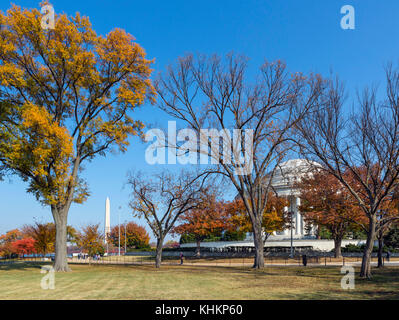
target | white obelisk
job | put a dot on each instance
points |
(107, 224)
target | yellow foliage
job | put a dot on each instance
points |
(273, 217)
(42, 150)
(73, 92)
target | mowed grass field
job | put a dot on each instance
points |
(22, 281)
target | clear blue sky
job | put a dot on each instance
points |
(305, 34)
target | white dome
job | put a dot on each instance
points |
(287, 173)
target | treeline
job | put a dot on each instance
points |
(218, 236)
(40, 239)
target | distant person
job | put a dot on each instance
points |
(181, 258)
(304, 260)
(388, 255)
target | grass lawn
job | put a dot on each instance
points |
(22, 281)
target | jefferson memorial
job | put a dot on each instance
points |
(283, 184)
(283, 180)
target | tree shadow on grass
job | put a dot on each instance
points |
(192, 269)
(19, 265)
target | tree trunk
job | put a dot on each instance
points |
(365, 271)
(158, 256)
(259, 261)
(337, 247)
(380, 247)
(60, 215)
(198, 250)
(60, 219)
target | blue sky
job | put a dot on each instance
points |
(305, 34)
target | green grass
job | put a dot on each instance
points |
(22, 281)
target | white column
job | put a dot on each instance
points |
(302, 222)
(286, 232)
(298, 225)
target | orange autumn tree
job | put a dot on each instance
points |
(6, 243)
(209, 218)
(91, 240)
(326, 202)
(72, 94)
(136, 236)
(44, 235)
(24, 246)
(274, 218)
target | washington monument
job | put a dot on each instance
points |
(107, 224)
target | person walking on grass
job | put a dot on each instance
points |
(181, 258)
(304, 260)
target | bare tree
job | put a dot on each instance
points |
(361, 149)
(212, 97)
(162, 198)
(380, 235)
